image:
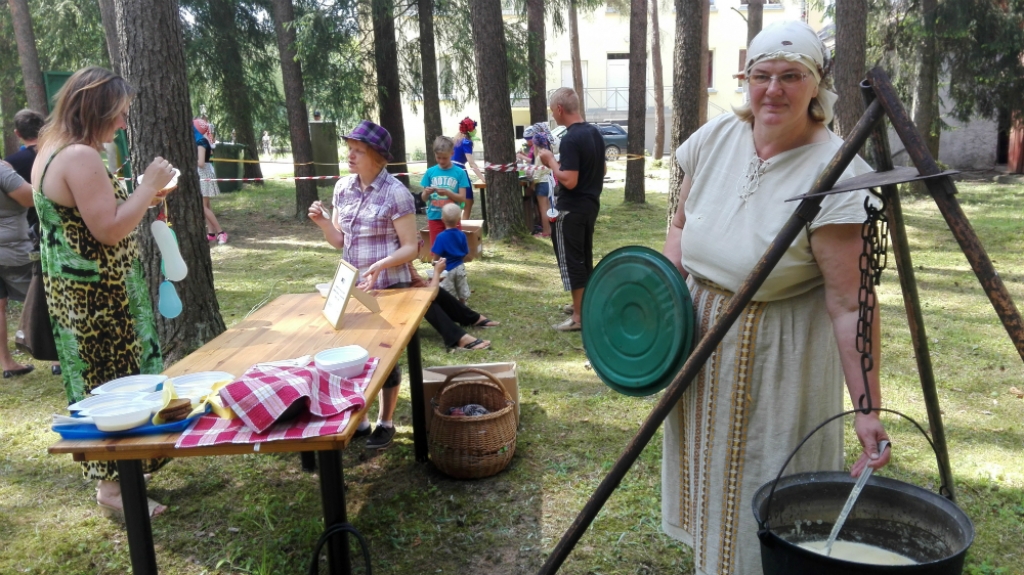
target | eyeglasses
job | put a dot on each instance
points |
(787, 79)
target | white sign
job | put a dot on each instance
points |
(343, 287)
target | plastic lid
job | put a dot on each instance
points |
(638, 321)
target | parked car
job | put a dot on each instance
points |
(614, 138)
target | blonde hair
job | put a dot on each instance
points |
(451, 214)
(86, 107)
(566, 98)
(443, 145)
(814, 111)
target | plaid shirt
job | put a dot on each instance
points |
(367, 220)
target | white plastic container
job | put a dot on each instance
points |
(345, 361)
(123, 416)
(144, 383)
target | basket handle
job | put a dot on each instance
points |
(448, 383)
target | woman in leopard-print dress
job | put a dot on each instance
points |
(99, 302)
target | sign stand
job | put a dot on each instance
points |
(342, 288)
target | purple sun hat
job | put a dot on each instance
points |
(374, 136)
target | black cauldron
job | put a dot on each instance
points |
(889, 514)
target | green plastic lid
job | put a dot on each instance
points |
(638, 321)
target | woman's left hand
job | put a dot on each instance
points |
(870, 432)
(370, 278)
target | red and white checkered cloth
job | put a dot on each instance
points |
(267, 390)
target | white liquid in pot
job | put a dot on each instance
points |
(859, 553)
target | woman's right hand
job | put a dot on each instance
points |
(158, 173)
(317, 213)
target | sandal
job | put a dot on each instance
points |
(472, 346)
(116, 514)
(484, 322)
(568, 325)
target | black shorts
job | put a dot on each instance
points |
(572, 236)
(14, 281)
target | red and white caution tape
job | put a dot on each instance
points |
(501, 167)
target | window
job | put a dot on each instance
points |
(745, 2)
(743, 65)
(711, 69)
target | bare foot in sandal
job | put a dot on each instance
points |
(108, 497)
(470, 343)
(484, 322)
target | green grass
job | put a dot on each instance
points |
(260, 514)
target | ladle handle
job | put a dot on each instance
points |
(865, 474)
(943, 490)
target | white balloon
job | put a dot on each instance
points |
(174, 266)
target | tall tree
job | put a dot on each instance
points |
(298, 120)
(574, 55)
(152, 59)
(9, 87)
(755, 17)
(851, 44)
(926, 94)
(538, 62)
(690, 81)
(35, 91)
(504, 200)
(428, 57)
(235, 90)
(109, 18)
(659, 84)
(635, 192)
(389, 98)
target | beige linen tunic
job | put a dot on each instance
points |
(777, 374)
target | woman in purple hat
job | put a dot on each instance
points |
(374, 224)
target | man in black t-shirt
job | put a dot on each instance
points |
(580, 173)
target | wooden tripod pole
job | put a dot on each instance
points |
(911, 299)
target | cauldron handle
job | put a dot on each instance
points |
(763, 526)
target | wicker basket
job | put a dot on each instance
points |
(478, 446)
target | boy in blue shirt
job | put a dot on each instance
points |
(451, 245)
(443, 184)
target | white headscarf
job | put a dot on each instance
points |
(796, 42)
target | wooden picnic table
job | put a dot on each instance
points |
(288, 327)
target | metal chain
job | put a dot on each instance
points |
(873, 259)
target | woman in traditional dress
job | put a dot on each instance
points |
(779, 371)
(98, 297)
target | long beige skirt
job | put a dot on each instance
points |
(774, 377)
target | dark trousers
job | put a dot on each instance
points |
(572, 236)
(446, 314)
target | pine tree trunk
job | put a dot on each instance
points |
(152, 59)
(8, 83)
(35, 91)
(635, 192)
(926, 93)
(538, 63)
(235, 92)
(690, 81)
(926, 96)
(298, 119)
(851, 44)
(504, 199)
(659, 84)
(109, 19)
(431, 99)
(389, 99)
(755, 16)
(574, 55)
(8, 106)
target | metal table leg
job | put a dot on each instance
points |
(332, 494)
(136, 517)
(419, 424)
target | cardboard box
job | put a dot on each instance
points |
(433, 381)
(474, 238)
